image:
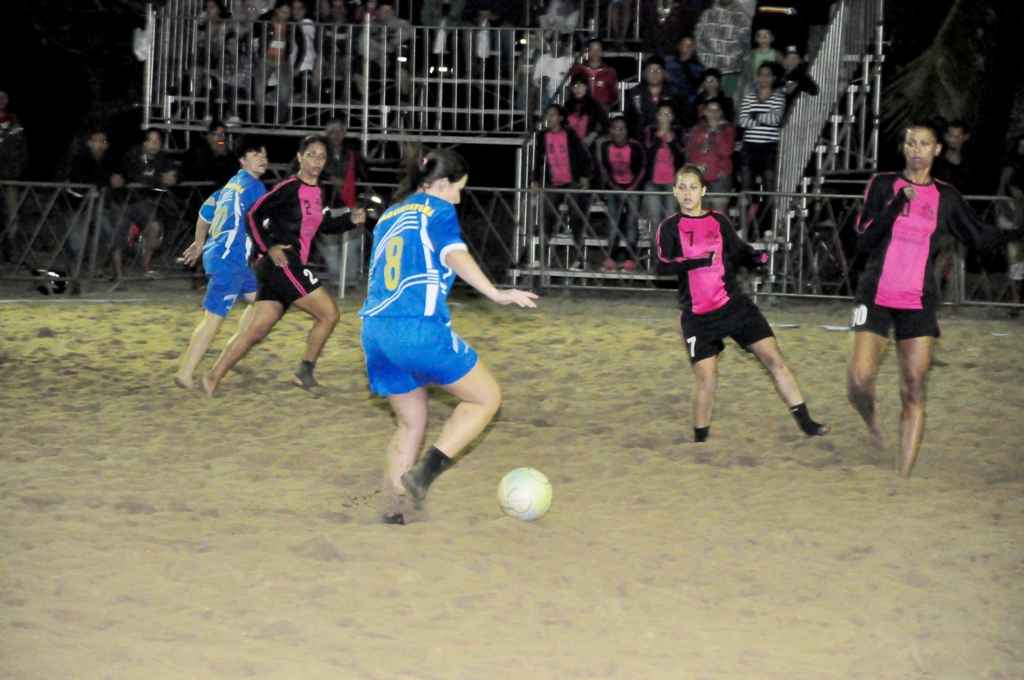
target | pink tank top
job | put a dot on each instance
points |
(901, 284)
(556, 146)
(619, 158)
(698, 236)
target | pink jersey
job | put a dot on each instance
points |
(664, 166)
(698, 236)
(556, 146)
(901, 284)
(579, 122)
(620, 158)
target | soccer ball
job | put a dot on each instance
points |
(524, 493)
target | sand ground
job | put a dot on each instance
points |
(150, 533)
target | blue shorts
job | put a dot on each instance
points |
(227, 283)
(405, 353)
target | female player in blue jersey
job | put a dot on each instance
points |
(222, 240)
(407, 336)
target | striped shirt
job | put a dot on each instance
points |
(761, 120)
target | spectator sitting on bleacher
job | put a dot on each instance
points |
(602, 78)
(210, 161)
(91, 163)
(685, 74)
(665, 147)
(620, 18)
(710, 147)
(560, 15)
(623, 164)
(274, 75)
(142, 162)
(796, 78)
(711, 88)
(365, 11)
(760, 118)
(723, 36)
(586, 117)
(642, 100)
(561, 162)
(145, 219)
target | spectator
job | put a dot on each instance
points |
(561, 162)
(796, 78)
(586, 117)
(602, 78)
(722, 35)
(343, 170)
(642, 100)
(13, 159)
(303, 55)
(551, 68)
(336, 13)
(760, 118)
(665, 149)
(145, 219)
(685, 73)
(274, 75)
(623, 164)
(711, 88)
(143, 162)
(952, 165)
(763, 52)
(710, 147)
(91, 163)
(432, 12)
(210, 161)
(561, 16)
(620, 19)
(237, 76)
(212, 31)
(366, 11)
(388, 35)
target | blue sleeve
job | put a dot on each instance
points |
(444, 229)
(209, 207)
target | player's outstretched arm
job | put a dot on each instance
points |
(463, 264)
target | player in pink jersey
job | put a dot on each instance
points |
(903, 218)
(702, 247)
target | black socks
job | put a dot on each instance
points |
(803, 418)
(700, 434)
(419, 478)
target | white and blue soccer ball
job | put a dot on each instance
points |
(524, 493)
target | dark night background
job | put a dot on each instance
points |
(69, 64)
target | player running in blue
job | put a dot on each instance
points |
(222, 238)
(407, 336)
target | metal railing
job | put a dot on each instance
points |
(521, 237)
(387, 79)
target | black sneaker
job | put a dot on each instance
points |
(393, 518)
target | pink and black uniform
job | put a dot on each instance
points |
(897, 240)
(712, 304)
(290, 214)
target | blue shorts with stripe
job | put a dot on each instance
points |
(404, 353)
(227, 283)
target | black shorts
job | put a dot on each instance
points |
(284, 284)
(908, 323)
(739, 319)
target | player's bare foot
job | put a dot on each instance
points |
(209, 386)
(185, 383)
(875, 435)
(303, 376)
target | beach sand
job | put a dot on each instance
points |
(150, 533)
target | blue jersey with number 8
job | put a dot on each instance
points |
(408, 275)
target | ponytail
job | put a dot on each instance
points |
(425, 169)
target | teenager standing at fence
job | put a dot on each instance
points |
(702, 247)
(407, 337)
(904, 216)
(224, 244)
(283, 225)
